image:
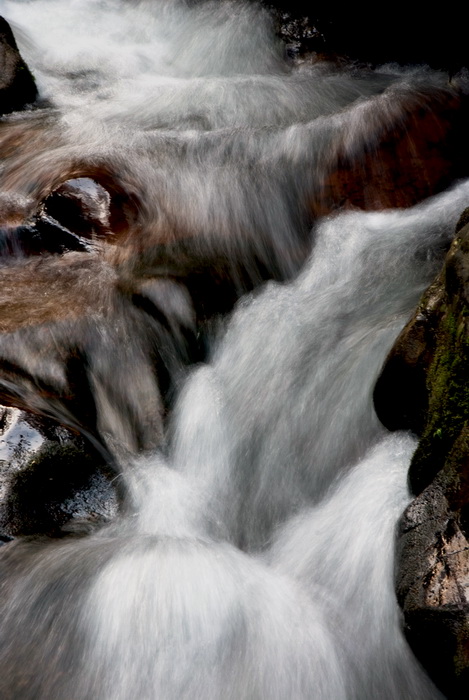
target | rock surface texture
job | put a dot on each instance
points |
(425, 387)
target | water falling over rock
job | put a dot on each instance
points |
(206, 253)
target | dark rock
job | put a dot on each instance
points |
(433, 586)
(81, 205)
(75, 216)
(424, 387)
(49, 477)
(401, 395)
(96, 358)
(463, 220)
(17, 86)
(433, 38)
(43, 235)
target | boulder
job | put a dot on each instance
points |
(432, 583)
(424, 387)
(427, 134)
(17, 85)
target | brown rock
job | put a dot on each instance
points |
(90, 350)
(417, 153)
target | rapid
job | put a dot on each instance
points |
(252, 554)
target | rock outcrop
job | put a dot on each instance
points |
(17, 85)
(425, 387)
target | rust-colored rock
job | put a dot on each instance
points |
(417, 153)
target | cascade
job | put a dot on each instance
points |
(215, 340)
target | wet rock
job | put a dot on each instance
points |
(423, 384)
(96, 352)
(424, 387)
(433, 586)
(50, 478)
(43, 235)
(17, 86)
(429, 136)
(96, 358)
(401, 394)
(75, 216)
(81, 205)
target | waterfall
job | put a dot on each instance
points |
(252, 557)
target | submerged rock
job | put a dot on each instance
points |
(17, 86)
(424, 387)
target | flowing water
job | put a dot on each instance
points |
(253, 557)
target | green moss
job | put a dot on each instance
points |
(448, 392)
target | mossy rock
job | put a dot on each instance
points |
(424, 386)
